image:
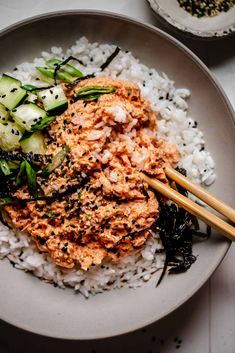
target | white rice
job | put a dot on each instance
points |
(174, 126)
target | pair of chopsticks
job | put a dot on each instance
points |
(212, 220)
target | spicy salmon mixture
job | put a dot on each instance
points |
(95, 205)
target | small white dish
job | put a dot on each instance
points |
(170, 12)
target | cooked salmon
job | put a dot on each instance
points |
(109, 141)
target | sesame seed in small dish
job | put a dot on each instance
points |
(208, 19)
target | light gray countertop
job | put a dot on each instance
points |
(206, 323)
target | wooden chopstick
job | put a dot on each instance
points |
(190, 206)
(201, 193)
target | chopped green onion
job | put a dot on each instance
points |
(19, 176)
(43, 123)
(92, 93)
(55, 163)
(71, 70)
(31, 179)
(4, 167)
(5, 201)
(13, 165)
(48, 72)
(25, 168)
(26, 135)
(29, 88)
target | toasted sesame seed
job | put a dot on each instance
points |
(207, 7)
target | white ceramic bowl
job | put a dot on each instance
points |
(29, 303)
(170, 12)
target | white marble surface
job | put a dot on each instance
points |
(206, 323)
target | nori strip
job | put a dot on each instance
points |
(56, 196)
(176, 228)
(110, 59)
(102, 67)
(77, 80)
(58, 66)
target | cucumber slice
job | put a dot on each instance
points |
(11, 94)
(27, 115)
(32, 98)
(10, 135)
(34, 143)
(4, 114)
(54, 100)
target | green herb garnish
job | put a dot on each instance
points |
(31, 179)
(4, 167)
(19, 177)
(5, 201)
(55, 163)
(32, 88)
(57, 63)
(26, 169)
(43, 123)
(48, 72)
(92, 93)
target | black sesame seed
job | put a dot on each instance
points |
(56, 97)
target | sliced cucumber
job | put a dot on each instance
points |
(4, 114)
(11, 94)
(34, 143)
(54, 100)
(32, 98)
(10, 135)
(27, 115)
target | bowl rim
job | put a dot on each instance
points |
(213, 80)
(166, 19)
